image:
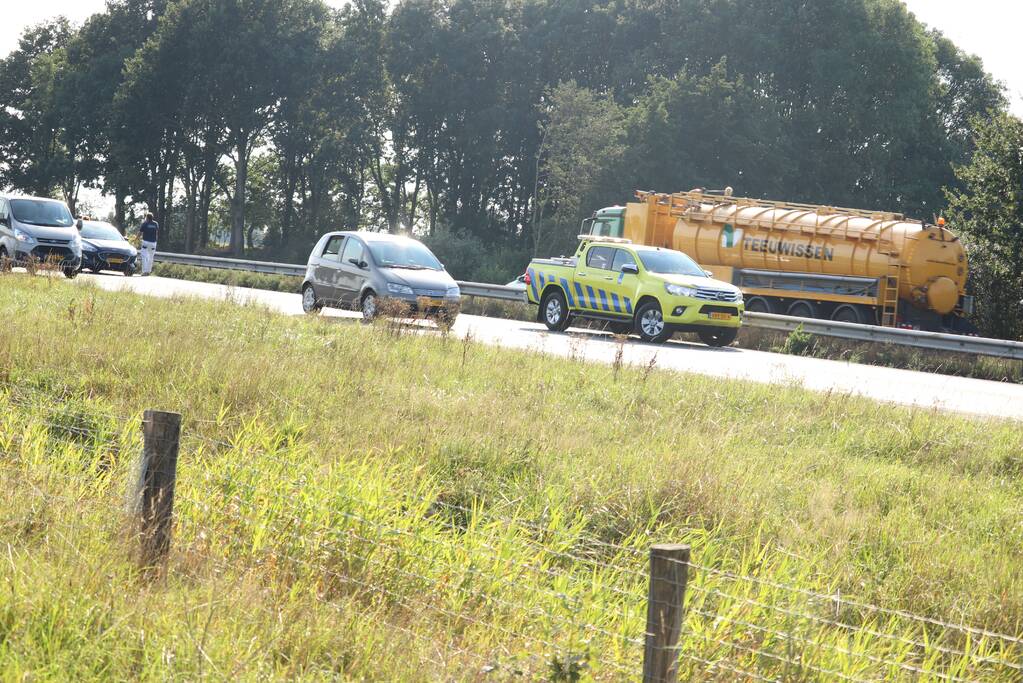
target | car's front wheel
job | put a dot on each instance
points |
(310, 303)
(555, 311)
(369, 307)
(650, 325)
(719, 336)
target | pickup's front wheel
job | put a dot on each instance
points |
(555, 310)
(650, 325)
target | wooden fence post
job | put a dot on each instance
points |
(154, 496)
(668, 575)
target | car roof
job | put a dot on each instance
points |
(368, 236)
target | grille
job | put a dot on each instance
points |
(717, 295)
(433, 293)
(44, 240)
(730, 310)
(107, 255)
(50, 253)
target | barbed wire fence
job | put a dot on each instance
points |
(478, 591)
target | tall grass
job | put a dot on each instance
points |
(362, 504)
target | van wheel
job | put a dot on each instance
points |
(554, 310)
(310, 304)
(5, 260)
(650, 325)
(719, 336)
(69, 272)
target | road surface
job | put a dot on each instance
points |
(906, 387)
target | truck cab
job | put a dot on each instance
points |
(650, 291)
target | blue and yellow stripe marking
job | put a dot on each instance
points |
(617, 305)
(568, 292)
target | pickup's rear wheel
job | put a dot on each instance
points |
(719, 336)
(650, 325)
(620, 329)
(555, 310)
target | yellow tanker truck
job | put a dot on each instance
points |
(808, 261)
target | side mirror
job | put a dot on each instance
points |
(358, 263)
(708, 273)
(630, 269)
(78, 224)
(4, 220)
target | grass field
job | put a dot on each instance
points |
(373, 503)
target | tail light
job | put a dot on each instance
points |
(526, 279)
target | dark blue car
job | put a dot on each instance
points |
(104, 248)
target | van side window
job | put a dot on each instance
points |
(353, 250)
(333, 247)
(622, 258)
(600, 257)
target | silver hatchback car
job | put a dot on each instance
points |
(366, 270)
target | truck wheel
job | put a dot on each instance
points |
(650, 325)
(759, 304)
(310, 304)
(848, 314)
(555, 311)
(719, 336)
(803, 309)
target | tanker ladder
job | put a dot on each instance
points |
(890, 296)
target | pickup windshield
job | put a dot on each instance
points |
(403, 254)
(670, 263)
(43, 213)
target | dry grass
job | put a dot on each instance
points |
(363, 504)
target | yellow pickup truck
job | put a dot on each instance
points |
(650, 291)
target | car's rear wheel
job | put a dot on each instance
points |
(719, 336)
(310, 303)
(650, 325)
(369, 307)
(555, 310)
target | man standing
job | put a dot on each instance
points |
(149, 230)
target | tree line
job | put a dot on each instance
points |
(489, 126)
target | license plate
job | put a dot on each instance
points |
(433, 302)
(115, 260)
(720, 316)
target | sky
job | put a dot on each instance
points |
(988, 28)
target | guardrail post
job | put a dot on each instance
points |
(669, 566)
(154, 493)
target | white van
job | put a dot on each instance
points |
(41, 230)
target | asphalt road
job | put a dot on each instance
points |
(923, 390)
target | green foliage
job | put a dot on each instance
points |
(799, 342)
(314, 537)
(989, 212)
(232, 278)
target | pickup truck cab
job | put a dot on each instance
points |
(649, 291)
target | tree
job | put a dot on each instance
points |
(583, 134)
(988, 212)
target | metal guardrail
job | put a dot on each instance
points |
(936, 341)
(220, 263)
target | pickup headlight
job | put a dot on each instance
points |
(680, 290)
(23, 236)
(453, 292)
(395, 288)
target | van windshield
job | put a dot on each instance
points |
(41, 212)
(403, 254)
(670, 263)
